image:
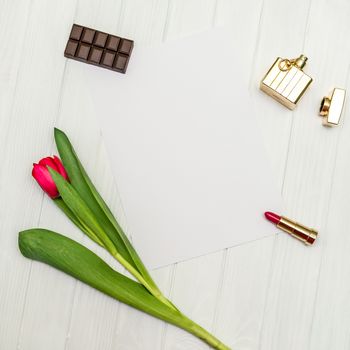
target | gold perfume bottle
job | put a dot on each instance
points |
(285, 81)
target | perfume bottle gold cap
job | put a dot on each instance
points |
(331, 107)
(301, 61)
(300, 232)
(285, 81)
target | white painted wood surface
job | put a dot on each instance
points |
(272, 294)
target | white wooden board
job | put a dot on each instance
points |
(271, 294)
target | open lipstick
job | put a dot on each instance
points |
(301, 232)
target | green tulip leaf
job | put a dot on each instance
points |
(79, 210)
(85, 188)
(63, 206)
(76, 260)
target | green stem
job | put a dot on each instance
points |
(202, 334)
(154, 291)
(81, 225)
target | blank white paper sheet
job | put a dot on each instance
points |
(185, 148)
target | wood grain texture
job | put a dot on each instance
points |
(270, 294)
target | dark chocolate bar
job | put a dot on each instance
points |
(98, 48)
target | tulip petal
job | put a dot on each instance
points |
(60, 168)
(44, 179)
(48, 161)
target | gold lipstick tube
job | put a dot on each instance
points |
(301, 232)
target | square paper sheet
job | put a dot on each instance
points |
(185, 148)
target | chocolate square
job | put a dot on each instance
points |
(112, 42)
(95, 55)
(71, 48)
(126, 46)
(121, 62)
(100, 39)
(108, 58)
(76, 32)
(83, 51)
(88, 35)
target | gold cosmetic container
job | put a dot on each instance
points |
(332, 107)
(285, 81)
(298, 231)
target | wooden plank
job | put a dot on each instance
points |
(331, 313)
(189, 17)
(307, 187)
(14, 270)
(33, 106)
(33, 114)
(143, 21)
(12, 33)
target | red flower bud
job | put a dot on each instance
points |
(43, 177)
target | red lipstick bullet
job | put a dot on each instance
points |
(301, 232)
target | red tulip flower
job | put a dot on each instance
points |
(43, 177)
